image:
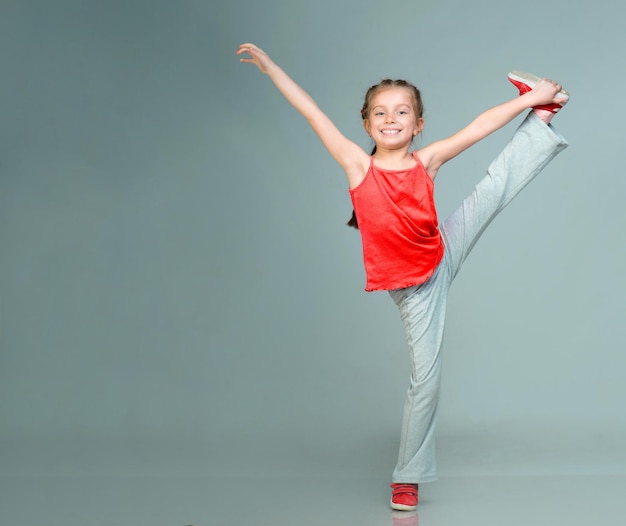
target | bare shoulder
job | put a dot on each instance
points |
(357, 169)
(428, 158)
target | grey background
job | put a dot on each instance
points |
(179, 294)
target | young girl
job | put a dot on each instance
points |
(405, 250)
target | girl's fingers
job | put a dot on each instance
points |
(250, 52)
(247, 48)
(256, 56)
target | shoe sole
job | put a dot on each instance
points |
(402, 507)
(531, 80)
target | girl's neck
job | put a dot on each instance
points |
(393, 159)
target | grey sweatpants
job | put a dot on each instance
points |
(423, 307)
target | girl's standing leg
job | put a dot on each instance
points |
(423, 310)
(423, 307)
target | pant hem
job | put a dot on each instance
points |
(417, 480)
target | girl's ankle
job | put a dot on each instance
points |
(544, 115)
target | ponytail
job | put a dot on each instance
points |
(353, 221)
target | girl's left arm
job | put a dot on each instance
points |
(438, 153)
(351, 157)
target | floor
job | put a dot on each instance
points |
(509, 486)
(204, 501)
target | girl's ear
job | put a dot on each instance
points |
(419, 126)
(366, 125)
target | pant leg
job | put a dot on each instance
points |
(532, 147)
(423, 310)
(423, 307)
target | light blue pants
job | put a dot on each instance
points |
(423, 307)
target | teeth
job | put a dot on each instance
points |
(390, 132)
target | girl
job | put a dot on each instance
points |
(405, 250)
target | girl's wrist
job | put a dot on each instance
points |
(530, 99)
(271, 68)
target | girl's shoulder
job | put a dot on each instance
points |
(425, 157)
(418, 159)
(359, 170)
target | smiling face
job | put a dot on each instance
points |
(392, 119)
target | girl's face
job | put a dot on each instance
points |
(392, 121)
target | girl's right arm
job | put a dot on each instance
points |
(436, 154)
(350, 156)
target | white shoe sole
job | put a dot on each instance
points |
(402, 507)
(531, 80)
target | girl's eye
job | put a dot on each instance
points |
(402, 112)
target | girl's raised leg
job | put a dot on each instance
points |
(532, 147)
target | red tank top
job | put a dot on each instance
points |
(397, 218)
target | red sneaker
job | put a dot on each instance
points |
(527, 81)
(404, 497)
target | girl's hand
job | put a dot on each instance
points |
(546, 92)
(257, 56)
